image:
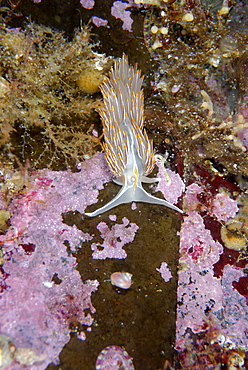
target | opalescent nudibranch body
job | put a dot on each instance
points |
(128, 150)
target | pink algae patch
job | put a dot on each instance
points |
(170, 183)
(164, 271)
(42, 294)
(114, 357)
(114, 239)
(223, 207)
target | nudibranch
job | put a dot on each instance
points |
(129, 152)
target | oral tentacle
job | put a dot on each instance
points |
(129, 194)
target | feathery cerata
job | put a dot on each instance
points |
(129, 152)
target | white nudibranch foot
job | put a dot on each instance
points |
(127, 195)
(128, 150)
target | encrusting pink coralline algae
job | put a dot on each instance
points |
(207, 303)
(198, 289)
(164, 271)
(114, 358)
(38, 276)
(223, 207)
(170, 184)
(114, 239)
(42, 293)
